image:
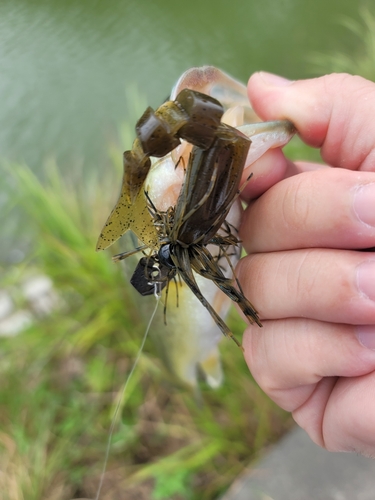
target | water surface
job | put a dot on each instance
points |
(65, 65)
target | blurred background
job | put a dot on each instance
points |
(74, 78)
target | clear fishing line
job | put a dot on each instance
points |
(157, 296)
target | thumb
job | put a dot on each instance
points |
(334, 112)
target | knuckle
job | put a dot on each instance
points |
(295, 210)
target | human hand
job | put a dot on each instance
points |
(313, 287)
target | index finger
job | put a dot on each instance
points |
(334, 112)
(327, 208)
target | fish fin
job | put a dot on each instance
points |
(212, 370)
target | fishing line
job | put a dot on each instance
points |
(157, 296)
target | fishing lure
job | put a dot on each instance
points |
(178, 204)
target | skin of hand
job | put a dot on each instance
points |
(306, 229)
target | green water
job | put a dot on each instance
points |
(65, 65)
(68, 67)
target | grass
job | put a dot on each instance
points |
(61, 376)
(360, 63)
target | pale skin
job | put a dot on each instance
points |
(313, 287)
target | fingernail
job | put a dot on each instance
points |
(366, 279)
(366, 336)
(275, 80)
(364, 204)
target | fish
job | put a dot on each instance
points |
(180, 197)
